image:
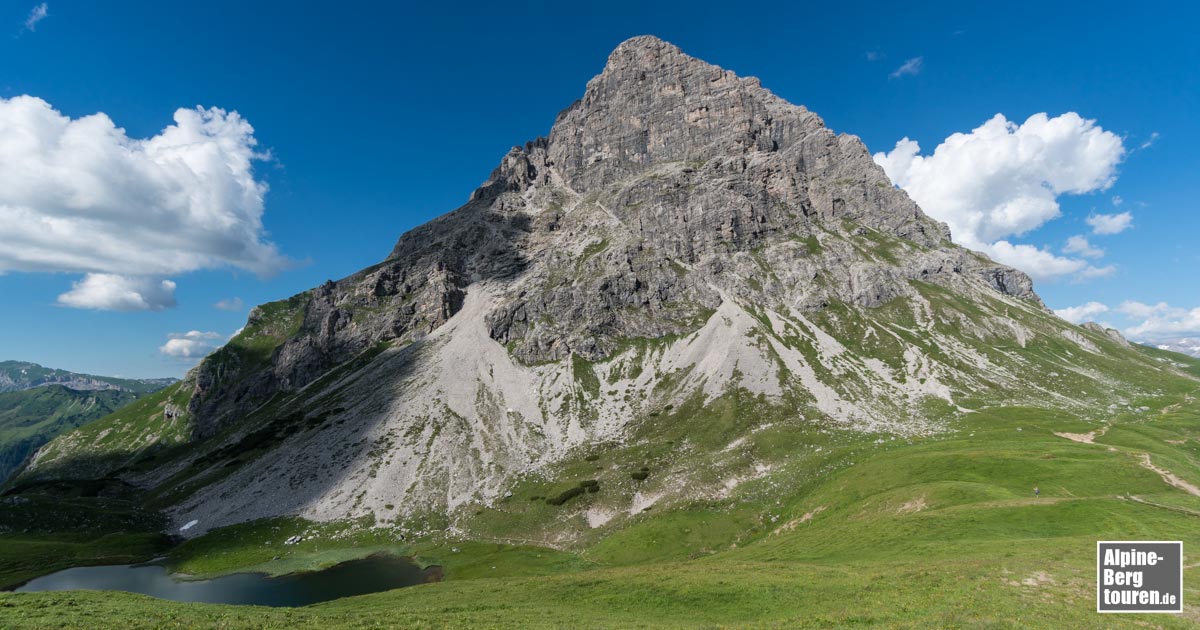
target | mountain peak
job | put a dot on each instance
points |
(653, 103)
(645, 41)
(646, 52)
(652, 55)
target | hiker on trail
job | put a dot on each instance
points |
(1037, 492)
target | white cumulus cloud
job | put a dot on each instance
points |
(1160, 321)
(1003, 180)
(79, 195)
(1038, 263)
(191, 345)
(1082, 313)
(1110, 223)
(109, 292)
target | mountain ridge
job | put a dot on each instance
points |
(21, 375)
(1184, 345)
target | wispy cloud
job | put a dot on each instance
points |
(1149, 142)
(911, 67)
(1148, 323)
(873, 55)
(37, 14)
(1095, 272)
(1160, 320)
(231, 304)
(1079, 244)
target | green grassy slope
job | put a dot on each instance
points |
(159, 426)
(940, 532)
(32, 417)
(128, 438)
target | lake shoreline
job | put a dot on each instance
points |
(376, 572)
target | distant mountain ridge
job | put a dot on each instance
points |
(1184, 345)
(39, 403)
(22, 375)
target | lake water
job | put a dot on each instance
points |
(356, 577)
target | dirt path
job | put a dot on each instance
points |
(1169, 476)
(1143, 458)
(1004, 503)
(1173, 508)
(1187, 398)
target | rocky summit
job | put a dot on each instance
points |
(682, 237)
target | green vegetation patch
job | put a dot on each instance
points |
(585, 375)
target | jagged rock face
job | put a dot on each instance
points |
(654, 104)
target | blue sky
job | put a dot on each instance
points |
(375, 117)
